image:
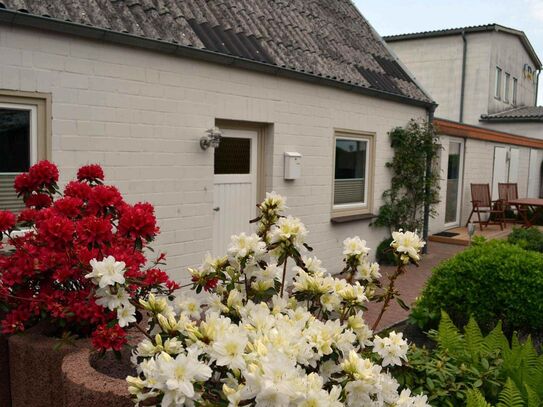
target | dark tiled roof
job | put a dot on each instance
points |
(527, 113)
(470, 29)
(320, 38)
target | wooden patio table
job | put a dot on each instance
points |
(534, 204)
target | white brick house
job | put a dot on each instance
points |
(134, 85)
(485, 80)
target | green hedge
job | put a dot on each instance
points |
(492, 281)
(529, 239)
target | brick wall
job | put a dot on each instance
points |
(140, 114)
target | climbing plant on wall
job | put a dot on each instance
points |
(414, 183)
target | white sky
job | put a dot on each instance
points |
(404, 16)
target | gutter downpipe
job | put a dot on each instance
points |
(463, 85)
(537, 86)
(426, 221)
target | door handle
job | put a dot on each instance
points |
(216, 209)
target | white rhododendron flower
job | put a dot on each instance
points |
(246, 245)
(354, 246)
(126, 314)
(189, 305)
(288, 229)
(407, 245)
(275, 201)
(112, 300)
(107, 272)
(392, 348)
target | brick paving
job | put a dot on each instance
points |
(410, 284)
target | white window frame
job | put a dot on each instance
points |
(506, 87)
(33, 129)
(498, 83)
(515, 91)
(355, 208)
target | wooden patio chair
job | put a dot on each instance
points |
(508, 191)
(482, 202)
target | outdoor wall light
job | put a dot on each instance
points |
(213, 138)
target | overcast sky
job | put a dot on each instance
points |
(404, 16)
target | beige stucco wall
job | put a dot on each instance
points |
(141, 114)
(527, 129)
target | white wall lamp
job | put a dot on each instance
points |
(213, 138)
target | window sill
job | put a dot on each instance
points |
(352, 218)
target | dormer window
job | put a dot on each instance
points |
(498, 86)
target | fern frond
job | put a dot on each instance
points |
(448, 337)
(496, 340)
(476, 399)
(510, 396)
(474, 339)
(533, 398)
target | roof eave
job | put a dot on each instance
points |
(511, 119)
(67, 27)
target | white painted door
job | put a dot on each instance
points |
(235, 186)
(533, 176)
(500, 169)
(514, 158)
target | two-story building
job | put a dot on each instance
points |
(485, 80)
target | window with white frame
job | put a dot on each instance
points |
(507, 85)
(498, 86)
(19, 145)
(352, 173)
(515, 91)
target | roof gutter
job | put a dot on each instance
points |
(463, 84)
(12, 17)
(426, 211)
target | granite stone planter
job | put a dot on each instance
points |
(85, 386)
(5, 393)
(36, 369)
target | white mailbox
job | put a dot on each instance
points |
(293, 165)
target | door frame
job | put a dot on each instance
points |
(460, 196)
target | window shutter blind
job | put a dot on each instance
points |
(8, 196)
(349, 191)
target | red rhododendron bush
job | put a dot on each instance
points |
(48, 249)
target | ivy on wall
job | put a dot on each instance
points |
(414, 183)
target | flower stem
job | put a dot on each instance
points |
(389, 295)
(284, 277)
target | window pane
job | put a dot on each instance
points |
(498, 89)
(350, 171)
(515, 86)
(507, 81)
(233, 156)
(14, 140)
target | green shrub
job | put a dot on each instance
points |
(384, 255)
(529, 239)
(473, 369)
(492, 281)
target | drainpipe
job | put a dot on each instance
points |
(537, 86)
(426, 220)
(463, 85)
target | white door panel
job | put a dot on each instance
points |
(235, 187)
(514, 164)
(500, 169)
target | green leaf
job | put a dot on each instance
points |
(448, 337)
(402, 304)
(474, 339)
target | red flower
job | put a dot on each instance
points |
(38, 201)
(7, 221)
(27, 216)
(155, 277)
(93, 230)
(91, 173)
(68, 206)
(43, 173)
(104, 196)
(14, 321)
(138, 221)
(105, 338)
(23, 184)
(56, 229)
(78, 189)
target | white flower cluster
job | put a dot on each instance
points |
(407, 246)
(246, 344)
(275, 355)
(108, 275)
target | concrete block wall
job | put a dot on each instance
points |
(140, 114)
